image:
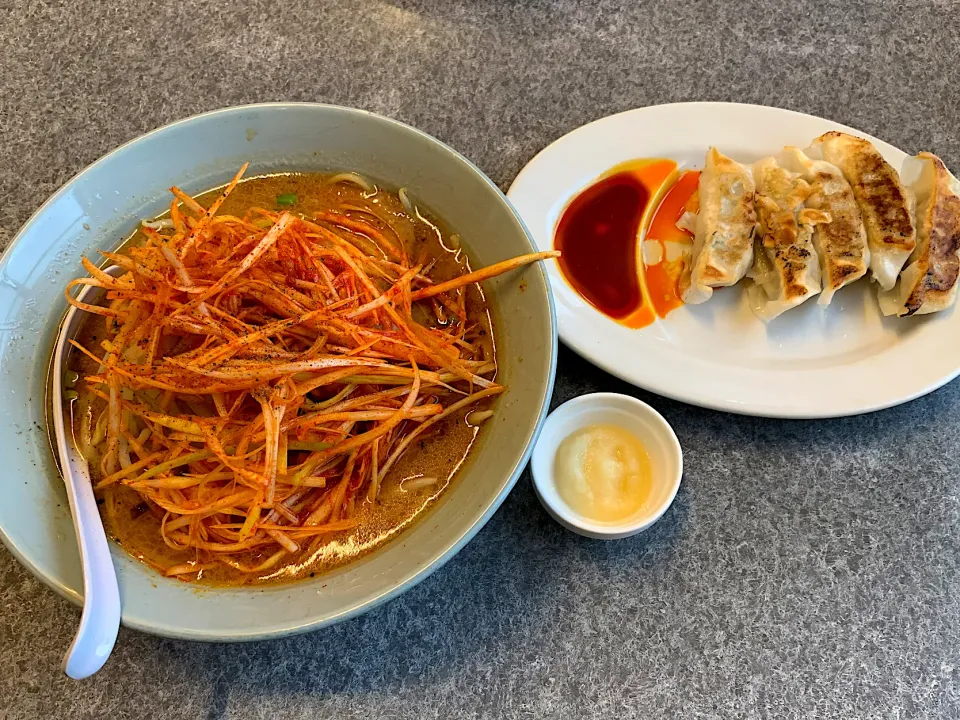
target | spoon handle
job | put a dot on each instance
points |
(100, 621)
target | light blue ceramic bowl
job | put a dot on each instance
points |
(101, 206)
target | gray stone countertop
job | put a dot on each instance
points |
(806, 569)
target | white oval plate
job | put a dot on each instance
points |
(812, 362)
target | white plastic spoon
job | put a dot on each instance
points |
(100, 621)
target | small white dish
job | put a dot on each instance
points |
(638, 418)
(812, 362)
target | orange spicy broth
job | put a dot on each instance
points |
(598, 232)
(135, 525)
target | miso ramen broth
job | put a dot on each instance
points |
(204, 383)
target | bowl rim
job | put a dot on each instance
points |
(561, 511)
(360, 607)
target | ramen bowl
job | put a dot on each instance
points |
(101, 206)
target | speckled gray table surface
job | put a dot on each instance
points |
(806, 569)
